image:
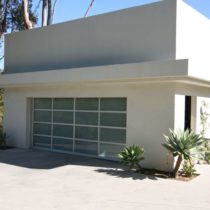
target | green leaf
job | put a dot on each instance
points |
(185, 143)
(131, 156)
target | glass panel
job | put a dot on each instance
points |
(86, 118)
(113, 104)
(86, 147)
(62, 117)
(42, 141)
(86, 104)
(82, 132)
(63, 130)
(113, 119)
(113, 135)
(109, 150)
(42, 116)
(63, 103)
(42, 103)
(63, 144)
(40, 128)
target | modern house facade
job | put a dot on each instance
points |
(92, 86)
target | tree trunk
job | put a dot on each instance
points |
(27, 21)
(44, 13)
(178, 163)
(3, 16)
(49, 14)
(53, 11)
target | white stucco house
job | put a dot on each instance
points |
(93, 85)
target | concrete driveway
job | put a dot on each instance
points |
(38, 180)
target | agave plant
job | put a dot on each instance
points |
(131, 156)
(184, 144)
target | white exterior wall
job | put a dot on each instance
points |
(192, 40)
(179, 112)
(144, 33)
(150, 111)
(15, 118)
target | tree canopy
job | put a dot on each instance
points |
(12, 15)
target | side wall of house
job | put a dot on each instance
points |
(150, 112)
(192, 42)
(145, 33)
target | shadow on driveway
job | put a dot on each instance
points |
(39, 159)
(122, 173)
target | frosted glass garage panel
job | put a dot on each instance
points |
(42, 103)
(82, 132)
(110, 150)
(42, 141)
(92, 126)
(86, 118)
(87, 103)
(43, 116)
(113, 119)
(40, 128)
(63, 131)
(113, 104)
(63, 144)
(63, 117)
(113, 135)
(63, 103)
(89, 148)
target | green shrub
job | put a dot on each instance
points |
(204, 116)
(184, 144)
(3, 137)
(188, 169)
(131, 156)
(206, 152)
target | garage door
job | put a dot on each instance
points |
(88, 126)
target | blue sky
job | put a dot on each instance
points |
(73, 9)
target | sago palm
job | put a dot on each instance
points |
(184, 144)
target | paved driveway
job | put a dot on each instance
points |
(38, 180)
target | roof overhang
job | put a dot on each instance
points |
(147, 72)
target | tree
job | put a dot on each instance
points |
(48, 10)
(27, 20)
(184, 145)
(44, 12)
(204, 118)
(12, 15)
(49, 14)
(1, 107)
(4, 7)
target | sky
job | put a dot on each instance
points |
(74, 9)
